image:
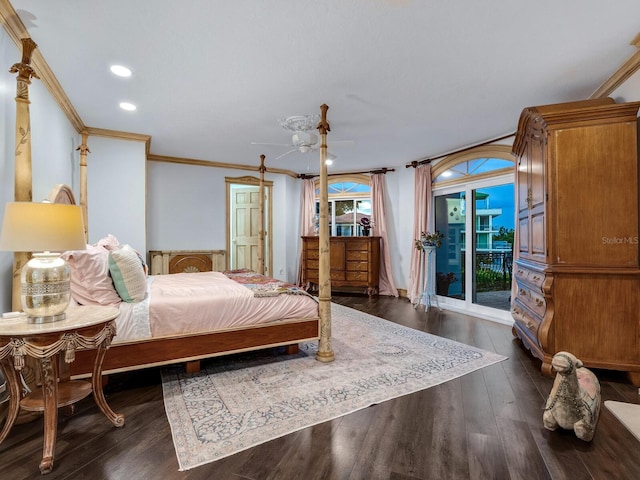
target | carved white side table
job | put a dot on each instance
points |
(84, 327)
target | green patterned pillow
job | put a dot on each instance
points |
(128, 274)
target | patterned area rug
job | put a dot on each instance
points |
(239, 401)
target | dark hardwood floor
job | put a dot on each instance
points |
(485, 425)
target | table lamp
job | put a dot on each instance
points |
(43, 228)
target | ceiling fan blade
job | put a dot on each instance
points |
(274, 144)
(286, 153)
(340, 142)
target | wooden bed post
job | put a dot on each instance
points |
(84, 150)
(23, 170)
(325, 351)
(261, 218)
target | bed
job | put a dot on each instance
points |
(182, 317)
(185, 317)
(160, 346)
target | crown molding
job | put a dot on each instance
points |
(208, 163)
(623, 73)
(135, 137)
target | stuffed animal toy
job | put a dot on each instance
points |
(574, 401)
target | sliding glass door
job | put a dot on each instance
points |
(473, 265)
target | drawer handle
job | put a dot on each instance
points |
(536, 278)
(522, 292)
(539, 302)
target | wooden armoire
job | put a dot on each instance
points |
(577, 271)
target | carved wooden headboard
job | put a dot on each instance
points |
(62, 193)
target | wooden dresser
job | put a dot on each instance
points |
(355, 262)
(578, 272)
(180, 261)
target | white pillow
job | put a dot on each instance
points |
(128, 274)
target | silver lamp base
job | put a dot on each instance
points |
(47, 318)
(45, 288)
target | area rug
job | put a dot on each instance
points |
(239, 401)
(628, 414)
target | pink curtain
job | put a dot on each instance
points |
(307, 211)
(386, 287)
(421, 221)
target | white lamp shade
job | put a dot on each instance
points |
(40, 227)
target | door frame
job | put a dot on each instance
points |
(467, 305)
(249, 181)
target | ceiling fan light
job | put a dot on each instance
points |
(304, 148)
(300, 123)
(304, 139)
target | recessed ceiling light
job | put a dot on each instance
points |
(120, 70)
(130, 107)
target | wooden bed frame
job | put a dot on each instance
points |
(187, 348)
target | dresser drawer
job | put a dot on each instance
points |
(357, 266)
(356, 243)
(337, 275)
(533, 300)
(357, 255)
(530, 276)
(312, 253)
(314, 264)
(528, 323)
(357, 276)
(311, 275)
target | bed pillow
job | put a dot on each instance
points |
(128, 274)
(109, 242)
(91, 283)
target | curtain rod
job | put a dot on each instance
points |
(417, 163)
(304, 176)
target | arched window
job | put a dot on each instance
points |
(349, 204)
(471, 165)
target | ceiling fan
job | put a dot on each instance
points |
(302, 139)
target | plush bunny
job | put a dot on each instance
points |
(574, 401)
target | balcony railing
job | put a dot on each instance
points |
(493, 270)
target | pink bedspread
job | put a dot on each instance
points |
(207, 301)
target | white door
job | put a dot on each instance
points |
(244, 227)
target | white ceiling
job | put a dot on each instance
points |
(404, 79)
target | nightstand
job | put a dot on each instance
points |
(83, 327)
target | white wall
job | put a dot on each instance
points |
(53, 143)
(116, 190)
(186, 211)
(8, 54)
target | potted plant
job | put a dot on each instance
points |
(366, 226)
(428, 239)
